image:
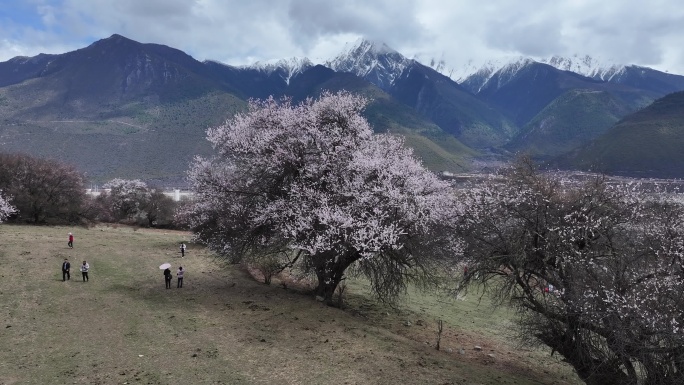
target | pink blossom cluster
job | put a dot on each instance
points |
(6, 209)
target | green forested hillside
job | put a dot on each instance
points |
(649, 142)
(573, 119)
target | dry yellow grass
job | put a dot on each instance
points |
(223, 327)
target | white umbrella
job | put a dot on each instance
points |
(164, 266)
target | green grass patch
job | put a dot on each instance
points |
(224, 327)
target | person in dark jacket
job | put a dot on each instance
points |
(167, 277)
(66, 268)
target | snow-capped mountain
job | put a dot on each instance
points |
(474, 75)
(450, 112)
(288, 67)
(474, 78)
(427, 91)
(373, 61)
(586, 65)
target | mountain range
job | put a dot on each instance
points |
(120, 108)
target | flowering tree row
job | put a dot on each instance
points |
(595, 268)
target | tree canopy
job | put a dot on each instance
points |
(43, 191)
(311, 182)
(594, 267)
(133, 201)
(127, 196)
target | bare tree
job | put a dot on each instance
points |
(43, 191)
(594, 268)
(313, 181)
(159, 209)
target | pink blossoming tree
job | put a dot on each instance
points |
(128, 197)
(312, 183)
(595, 269)
(6, 209)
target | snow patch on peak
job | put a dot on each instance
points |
(19, 59)
(440, 65)
(516, 65)
(292, 64)
(289, 67)
(474, 76)
(371, 60)
(585, 65)
(506, 73)
(364, 46)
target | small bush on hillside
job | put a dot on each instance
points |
(269, 266)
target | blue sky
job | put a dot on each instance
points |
(242, 32)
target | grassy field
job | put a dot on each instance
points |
(224, 327)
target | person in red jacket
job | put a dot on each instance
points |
(71, 241)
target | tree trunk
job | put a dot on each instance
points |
(330, 272)
(592, 370)
(327, 284)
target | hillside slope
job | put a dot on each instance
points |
(570, 121)
(115, 108)
(119, 108)
(646, 143)
(223, 327)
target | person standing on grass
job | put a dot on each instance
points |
(167, 277)
(182, 249)
(66, 267)
(71, 241)
(84, 271)
(179, 274)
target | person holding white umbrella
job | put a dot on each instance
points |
(167, 274)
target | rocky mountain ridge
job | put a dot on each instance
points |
(127, 109)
